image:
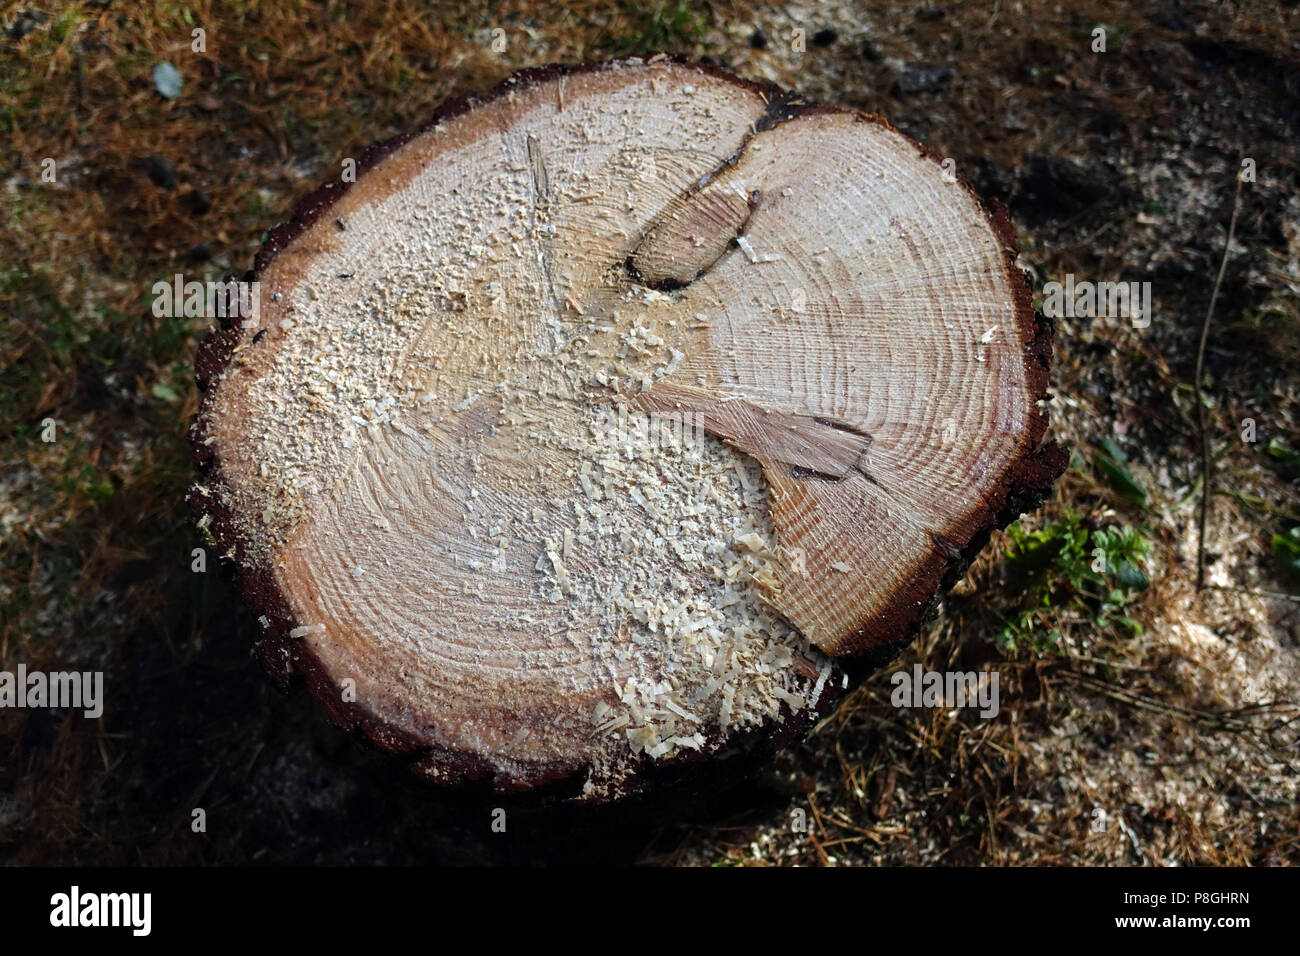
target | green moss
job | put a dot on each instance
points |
(665, 26)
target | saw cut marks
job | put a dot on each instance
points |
(638, 405)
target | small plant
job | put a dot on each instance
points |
(1070, 566)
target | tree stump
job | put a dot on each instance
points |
(595, 426)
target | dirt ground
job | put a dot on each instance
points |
(1148, 722)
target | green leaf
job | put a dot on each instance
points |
(1121, 479)
(1286, 548)
(1113, 450)
(1288, 456)
(1131, 624)
(165, 393)
(1130, 576)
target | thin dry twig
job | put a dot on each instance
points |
(1200, 391)
(1229, 720)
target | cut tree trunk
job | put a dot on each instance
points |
(597, 425)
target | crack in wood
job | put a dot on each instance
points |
(541, 181)
(812, 446)
(662, 258)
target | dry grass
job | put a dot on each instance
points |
(1116, 166)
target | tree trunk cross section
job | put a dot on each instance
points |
(652, 397)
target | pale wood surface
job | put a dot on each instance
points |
(419, 450)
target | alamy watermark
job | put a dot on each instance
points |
(1108, 300)
(946, 689)
(77, 909)
(628, 428)
(207, 300)
(78, 690)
